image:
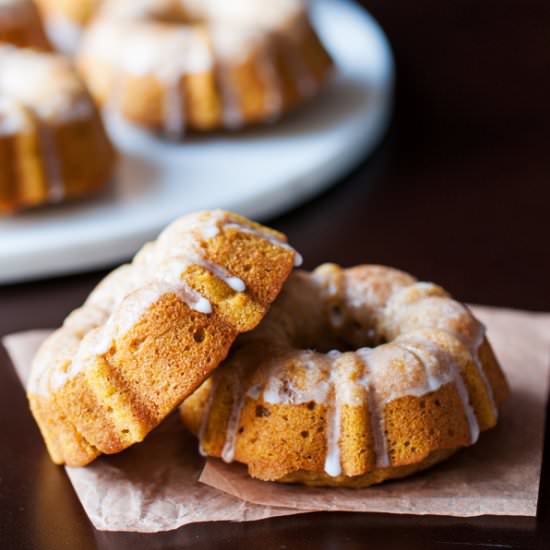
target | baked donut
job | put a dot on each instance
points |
(171, 65)
(20, 24)
(152, 331)
(354, 377)
(49, 131)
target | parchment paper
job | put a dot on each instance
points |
(151, 487)
(154, 486)
(497, 476)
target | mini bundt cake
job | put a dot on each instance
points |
(171, 65)
(354, 377)
(152, 331)
(65, 20)
(49, 131)
(20, 24)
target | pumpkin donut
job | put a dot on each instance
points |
(354, 377)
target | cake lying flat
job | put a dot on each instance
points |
(172, 65)
(152, 331)
(354, 377)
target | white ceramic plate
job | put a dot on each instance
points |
(259, 173)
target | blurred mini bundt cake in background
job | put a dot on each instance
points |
(173, 65)
(53, 146)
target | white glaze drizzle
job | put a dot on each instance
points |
(165, 279)
(233, 282)
(174, 109)
(232, 114)
(474, 350)
(329, 381)
(52, 165)
(406, 302)
(44, 83)
(279, 389)
(338, 381)
(12, 117)
(298, 260)
(237, 403)
(419, 346)
(376, 412)
(178, 265)
(237, 31)
(63, 33)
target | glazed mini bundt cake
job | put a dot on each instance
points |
(49, 131)
(354, 377)
(65, 20)
(172, 65)
(152, 331)
(20, 24)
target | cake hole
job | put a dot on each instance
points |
(304, 434)
(437, 403)
(261, 411)
(311, 405)
(407, 443)
(247, 267)
(413, 449)
(125, 431)
(199, 335)
(241, 430)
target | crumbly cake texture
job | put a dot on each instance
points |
(20, 24)
(49, 131)
(152, 331)
(415, 381)
(172, 65)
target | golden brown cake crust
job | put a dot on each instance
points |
(152, 331)
(415, 380)
(249, 64)
(21, 26)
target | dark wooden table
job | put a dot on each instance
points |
(459, 193)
